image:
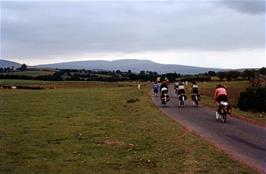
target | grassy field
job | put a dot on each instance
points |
(64, 84)
(32, 73)
(98, 130)
(234, 88)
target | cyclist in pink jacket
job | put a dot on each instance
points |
(220, 94)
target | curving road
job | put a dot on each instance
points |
(243, 141)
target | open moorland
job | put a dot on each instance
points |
(98, 128)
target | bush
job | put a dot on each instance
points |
(253, 99)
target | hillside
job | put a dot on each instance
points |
(6, 63)
(129, 64)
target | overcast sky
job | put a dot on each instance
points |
(221, 33)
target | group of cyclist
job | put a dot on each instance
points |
(179, 88)
(220, 93)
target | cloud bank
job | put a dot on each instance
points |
(48, 30)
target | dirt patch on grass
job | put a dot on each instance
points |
(132, 100)
(56, 141)
(115, 143)
(146, 163)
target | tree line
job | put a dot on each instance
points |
(91, 75)
(247, 74)
(23, 67)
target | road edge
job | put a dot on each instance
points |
(213, 144)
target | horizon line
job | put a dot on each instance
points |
(222, 68)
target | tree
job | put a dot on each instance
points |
(23, 67)
(142, 73)
(228, 76)
(232, 75)
(235, 74)
(211, 73)
(248, 74)
(262, 71)
(221, 75)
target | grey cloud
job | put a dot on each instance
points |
(56, 28)
(246, 6)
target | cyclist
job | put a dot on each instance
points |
(195, 91)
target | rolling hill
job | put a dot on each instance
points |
(134, 65)
(6, 63)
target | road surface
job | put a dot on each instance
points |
(243, 141)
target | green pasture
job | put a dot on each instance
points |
(47, 84)
(25, 82)
(98, 130)
(32, 73)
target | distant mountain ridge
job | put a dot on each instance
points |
(7, 63)
(135, 65)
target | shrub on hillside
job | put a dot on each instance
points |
(253, 99)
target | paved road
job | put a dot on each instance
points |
(243, 141)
